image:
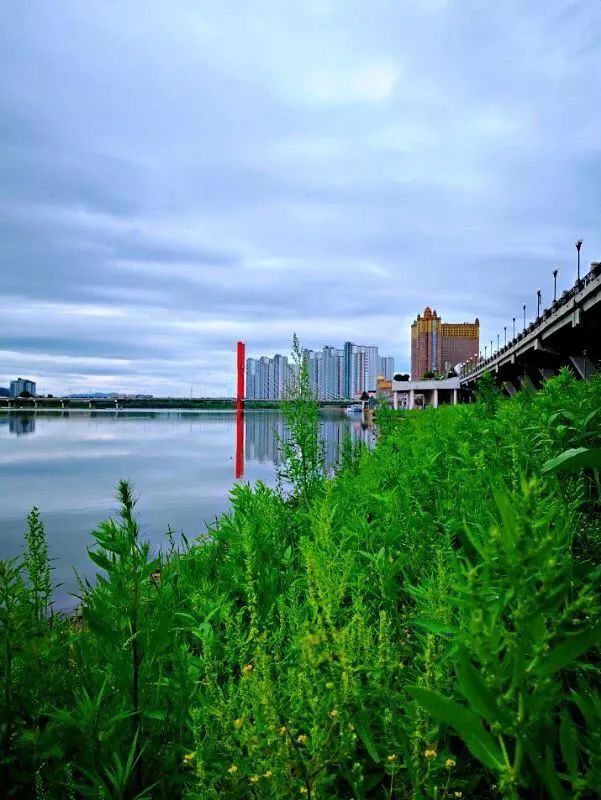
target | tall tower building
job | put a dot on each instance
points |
(438, 346)
(426, 349)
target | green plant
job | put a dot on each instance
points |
(303, 462)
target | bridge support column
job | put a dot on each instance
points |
(411, 399)
(546, 373)
(435, 398)
(455, 397)
(583, 366)
(509, 388)
(527, 384)
(395, 401)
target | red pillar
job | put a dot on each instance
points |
(240, 412)
(240, 389)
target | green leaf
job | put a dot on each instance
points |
(464, 721)
(546, 770)
(568, 739)
(100, 559)
(569, 650)
(362, 727)
(436, 627)
(575, 458)
(477, 693)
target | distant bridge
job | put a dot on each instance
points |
(132, 403)
(566, 334)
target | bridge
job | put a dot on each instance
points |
(121, 403)
(568, 333)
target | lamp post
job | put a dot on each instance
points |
(491, 348)
(524, 307)
(514, 327)
(555, 271)
(485, 353)
(505, 336)
(498, 337)
(538, 294)
(578, 246)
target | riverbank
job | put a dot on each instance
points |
(424, 624)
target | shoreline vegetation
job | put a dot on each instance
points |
(424, 624)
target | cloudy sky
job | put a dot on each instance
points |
(177, 175)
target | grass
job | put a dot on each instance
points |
(423, 625)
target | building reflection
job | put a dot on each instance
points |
(264, 432)
(21, 424)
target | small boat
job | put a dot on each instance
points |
(356, 408)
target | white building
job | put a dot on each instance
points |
(386, 367)
(22, 385)
(411, 395)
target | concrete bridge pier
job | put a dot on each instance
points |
(527, 383)
(583, 366)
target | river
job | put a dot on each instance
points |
(183, 465)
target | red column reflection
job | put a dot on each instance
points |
(239, 443)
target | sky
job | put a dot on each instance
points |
(175, 176)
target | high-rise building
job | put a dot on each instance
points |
(386, 367)
(22, 385)
(460, 342)
(334, 373)
(438, 346)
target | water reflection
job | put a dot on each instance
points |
(264, 434)
(183, 465)
(21, 424)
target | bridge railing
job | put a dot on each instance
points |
(564, 298)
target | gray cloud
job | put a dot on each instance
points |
(173, 180)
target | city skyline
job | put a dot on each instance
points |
(179, 179)
(333, 373)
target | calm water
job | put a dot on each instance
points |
(183, 466)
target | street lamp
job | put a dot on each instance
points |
(514, 327)
(485, 351)
(538, 294)
(498, 337)
(524, 307)
(491, 348)
(555, 271)
(505, 336)
(578, 246)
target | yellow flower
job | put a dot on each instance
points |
(283, 730)
(246, 669)
(302, 738)
(189, 758)
(268, 774)
(392, 757)
(457, 794)
(430, 753)
(450, 763)
(303, 790)
(333, 713)
(238, 723)
(233, 769)
(254, 779)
